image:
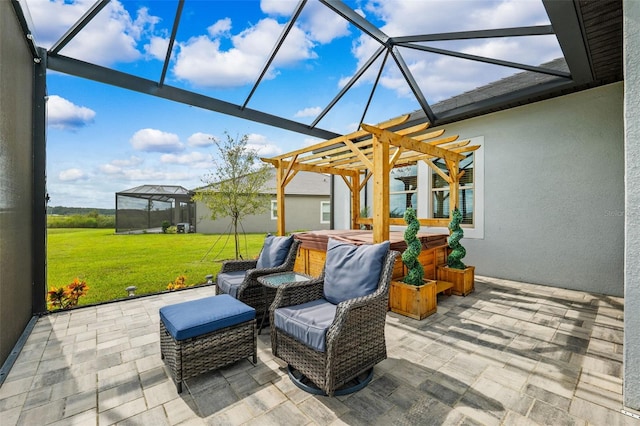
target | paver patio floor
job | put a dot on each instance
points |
(509, 353)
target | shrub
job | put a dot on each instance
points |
(178, 283)
(67, 297)
(457, 251)
(414, 247)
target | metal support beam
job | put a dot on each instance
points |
(39, 196)
(467, 35)
(564, 17)
(542, 70)
(275, 49)
(413, 85)
(22, 19)
(78, 26)
(172, 39)
(350, 84)
(352, 16)
(127, 81)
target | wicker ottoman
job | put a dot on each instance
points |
(205, 334)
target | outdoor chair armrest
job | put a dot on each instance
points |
(238, 265)
(297, 293)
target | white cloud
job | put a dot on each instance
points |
(153, 140)
(71, 175)
(196, 160)
(157, 48)
(442, 76)
(63, 114)
(308, 112)
(322, 24)
(202, 61)
(201, 139)
(278, 7)
(262, 146)
(112, 35)
(129, 162)
(221, 27)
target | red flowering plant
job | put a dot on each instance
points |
(67, 297)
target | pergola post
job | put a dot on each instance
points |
(380, 189)
(280, 184)
(355, 199)
(454, 185)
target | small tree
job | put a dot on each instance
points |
(414, 247)
(235, 188)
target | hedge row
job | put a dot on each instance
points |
(81, 221)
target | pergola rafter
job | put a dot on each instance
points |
(371, 153)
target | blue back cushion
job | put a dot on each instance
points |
(274, 252)
(197, 317)
(352, 271)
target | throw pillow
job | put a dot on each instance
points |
(352, 270)
(274, 252)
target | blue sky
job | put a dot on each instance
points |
(102, 139)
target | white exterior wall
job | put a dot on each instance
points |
(631, 363)
(553, 192)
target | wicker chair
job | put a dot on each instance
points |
(249, 290)
(354, 341)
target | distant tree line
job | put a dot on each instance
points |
(85, 218)
(66, 211)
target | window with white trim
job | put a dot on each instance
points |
(325, 212)
(274, 209)
(403, 189)
(440, 193)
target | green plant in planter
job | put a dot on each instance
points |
(457, 251)
(414, 247)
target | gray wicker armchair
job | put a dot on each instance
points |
(349, 343)
(239, 278)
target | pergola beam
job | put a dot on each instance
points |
(376, 150)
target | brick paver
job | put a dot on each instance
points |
(508, 353)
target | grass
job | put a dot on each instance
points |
(109, 263)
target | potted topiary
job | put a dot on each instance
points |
(414, 296)
(456, 272)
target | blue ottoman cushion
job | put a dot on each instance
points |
(197, 317)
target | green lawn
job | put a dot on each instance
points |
(110, 262)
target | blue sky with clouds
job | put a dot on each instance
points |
(103, 139)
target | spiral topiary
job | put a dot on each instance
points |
(414, 247)
(457, 251)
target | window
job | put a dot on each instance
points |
(325, 212)
(440, 191)
(274, 209)
(403, 190)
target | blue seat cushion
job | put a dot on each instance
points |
(229, 282)
(274, 251)
(197, 317)
(352, 270)
(307, 322)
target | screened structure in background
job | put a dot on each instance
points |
(147, 207)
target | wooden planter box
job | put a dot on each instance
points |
(311, 261)
(416, 302)
(462, 279)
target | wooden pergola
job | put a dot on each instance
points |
(371, 153)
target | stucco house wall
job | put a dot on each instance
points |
(553, 192)
(304, 196)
